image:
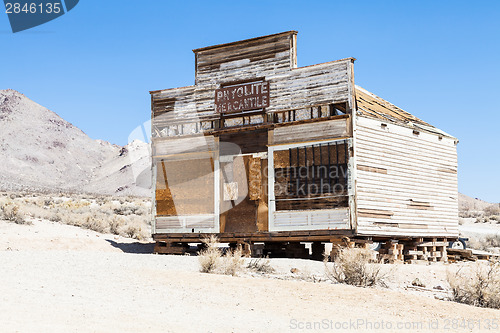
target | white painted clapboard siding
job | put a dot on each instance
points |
(406, 183)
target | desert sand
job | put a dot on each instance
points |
(60, 278)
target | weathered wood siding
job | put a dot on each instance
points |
(312, 85)
(271, 58)
(406, 182)
(183, 145)
(310, 132)
(245, 60)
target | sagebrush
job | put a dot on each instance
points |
(354, 266)
(213, 260)
(128, 216)
(477, 284)
(12, 212)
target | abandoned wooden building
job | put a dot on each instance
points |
(266, 154)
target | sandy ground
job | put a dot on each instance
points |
(59, 278)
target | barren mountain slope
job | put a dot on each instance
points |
(41, 151)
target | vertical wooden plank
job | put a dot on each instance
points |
(270, 187)
(352, 160)
(217, 184)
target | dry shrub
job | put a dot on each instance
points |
(477, 285)
(353, 266)
(232, 262)
(12, 212)
(212, 260)
(93, 222)
(486, 243)
(101, 214)
(135, 231)
(260, 265)
(210, 257)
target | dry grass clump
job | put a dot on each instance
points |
(260, 265)
(210, 257)
(212, 260)
(477, 285)
(232, 262)
(354, 266)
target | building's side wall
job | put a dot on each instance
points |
(406, 182)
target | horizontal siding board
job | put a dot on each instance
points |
(372, 125)
(385, 193)
(408, 186)
(447, 153)
(397, 166)
(441, 202)
(392, 179)
(404, 206)
(169, 146)
(310, 132)
(400, 133)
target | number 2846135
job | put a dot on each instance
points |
(33, 8)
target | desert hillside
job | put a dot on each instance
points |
(40, 151)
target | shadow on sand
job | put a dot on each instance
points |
(135, 247)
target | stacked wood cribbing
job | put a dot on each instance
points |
(434, 250)
(391, 252)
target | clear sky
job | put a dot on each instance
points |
(439, 60)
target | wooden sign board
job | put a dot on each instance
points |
(242, 97)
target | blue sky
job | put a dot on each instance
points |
(439, 60)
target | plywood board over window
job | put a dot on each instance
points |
(185, 187)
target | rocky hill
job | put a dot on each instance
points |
(40, 151)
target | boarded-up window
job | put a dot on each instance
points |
(185, 187)
(311, 177)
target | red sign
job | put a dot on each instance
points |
(242, 97)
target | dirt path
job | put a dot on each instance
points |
(97, 287)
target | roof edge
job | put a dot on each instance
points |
(201, 49)
(410, 124)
